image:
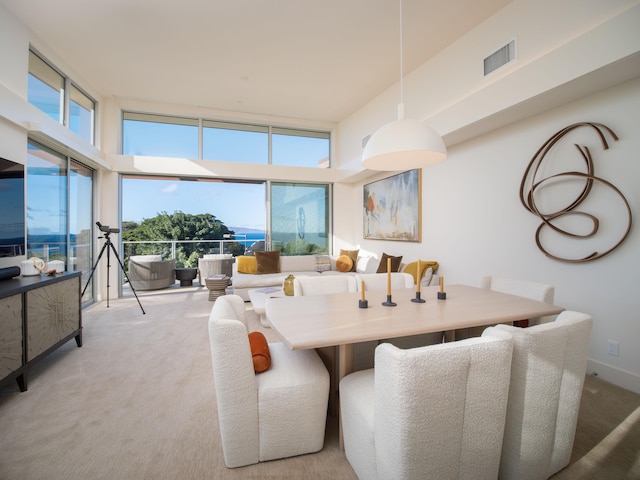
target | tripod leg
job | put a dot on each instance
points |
(115, 252)
(93, 269)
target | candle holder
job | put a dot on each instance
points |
(442, 295)
(418, 298)
(363, 303)
(389, 303)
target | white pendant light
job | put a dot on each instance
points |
(405, 143)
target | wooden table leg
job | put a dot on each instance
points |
(345, 367)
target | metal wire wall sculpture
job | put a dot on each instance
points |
(531, 182)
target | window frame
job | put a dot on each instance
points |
(67, 86)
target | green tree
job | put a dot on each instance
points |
(175, 226)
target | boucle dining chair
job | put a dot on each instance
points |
(434, 412)
(547, 376)
(278, 413)
(376, 282)
(321, 285)
(522, 288)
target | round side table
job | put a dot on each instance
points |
(217, 286)
(186, 276)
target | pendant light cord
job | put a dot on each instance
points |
(401, 104)
(401, 86)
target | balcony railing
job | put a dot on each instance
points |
(186, 252)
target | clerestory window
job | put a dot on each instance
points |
(60, 98)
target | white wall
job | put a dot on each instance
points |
(475, 225)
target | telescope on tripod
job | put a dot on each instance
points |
(108, 246)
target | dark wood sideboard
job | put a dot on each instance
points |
(38, 314)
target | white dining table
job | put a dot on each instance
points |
(316, 321)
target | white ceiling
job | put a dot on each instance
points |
(305, 59)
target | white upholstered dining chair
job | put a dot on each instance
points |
(376, 282)
(322, 285)
(434, 412)
(522, 288)
(547, 376)
(278, 413)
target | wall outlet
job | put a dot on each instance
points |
(612, 348)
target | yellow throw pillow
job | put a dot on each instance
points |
(344, 263)
(353, 255)
(246, 264)
(268, 262)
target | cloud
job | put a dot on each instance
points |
(170, 188)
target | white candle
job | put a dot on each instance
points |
(419, 277)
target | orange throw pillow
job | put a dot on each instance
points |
(344, 263)
(259, 352)
(353, 255)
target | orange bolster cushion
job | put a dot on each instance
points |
(259, 352)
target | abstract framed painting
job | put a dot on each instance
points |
(392, 208)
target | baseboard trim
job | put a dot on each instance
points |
(617, 376)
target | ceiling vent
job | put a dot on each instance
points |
(500, 58)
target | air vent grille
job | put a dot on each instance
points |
(500, 58)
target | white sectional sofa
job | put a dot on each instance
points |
(300, 265)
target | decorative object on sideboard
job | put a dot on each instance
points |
(405, 143)
(533, 185)
(32, 266)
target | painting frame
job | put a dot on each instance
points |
(392, 208)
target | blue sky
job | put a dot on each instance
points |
(235, 204)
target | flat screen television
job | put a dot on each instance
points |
(12, 212)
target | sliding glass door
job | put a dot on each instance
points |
(59, 210)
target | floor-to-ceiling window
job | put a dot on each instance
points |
(59, 210)
(81, 222)
(299, 218)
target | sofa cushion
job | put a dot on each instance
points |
(367, 264)
(344, 263)
(246, 264)
(268, 262)
(298, 263)
(353, 254)
(395, 263)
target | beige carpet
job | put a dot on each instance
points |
(137, 402)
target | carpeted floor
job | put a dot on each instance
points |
(137, 402)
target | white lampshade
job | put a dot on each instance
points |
(403, 145)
